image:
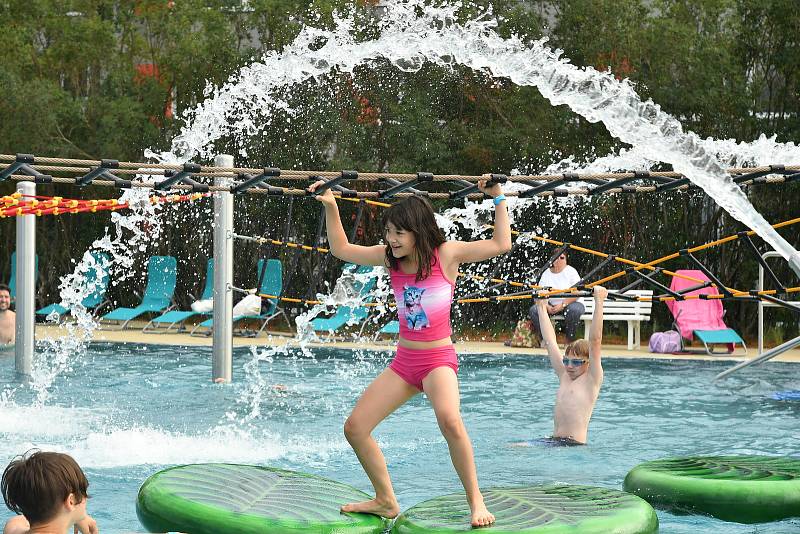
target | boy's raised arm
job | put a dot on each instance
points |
(596, 332)
(549, 336)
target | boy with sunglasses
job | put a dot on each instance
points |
(580, 375)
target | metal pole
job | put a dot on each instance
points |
(761, 303)
(760, 287)
(222, 345)
(26, 281)
(771, 353)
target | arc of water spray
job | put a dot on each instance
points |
(413, 33)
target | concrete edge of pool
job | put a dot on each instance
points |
(135, 335)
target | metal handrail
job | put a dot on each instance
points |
(762, 304)
(776, 351)
(792, 343)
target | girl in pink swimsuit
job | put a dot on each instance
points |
(423, 268)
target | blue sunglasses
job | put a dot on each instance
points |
(574, 362)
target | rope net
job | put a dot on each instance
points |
(191, 177)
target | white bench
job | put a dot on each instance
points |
(634, 312)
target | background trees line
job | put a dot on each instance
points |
(95, 79)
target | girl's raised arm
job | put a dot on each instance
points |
(337, 238)
(471, 251)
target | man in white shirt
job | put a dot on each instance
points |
(560, 276)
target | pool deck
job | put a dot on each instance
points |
(134, 335)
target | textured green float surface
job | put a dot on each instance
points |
(541, 509)
(745, 489)
(243, 499)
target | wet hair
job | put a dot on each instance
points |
(37, 483)
(4, 287)
(415, 214)
(578, 348)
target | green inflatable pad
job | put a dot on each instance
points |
(744, 489)
(245, 499)
(543, 509)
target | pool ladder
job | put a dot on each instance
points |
(780, 349)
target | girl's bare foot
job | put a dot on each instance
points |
(387, 509)
(481, 517)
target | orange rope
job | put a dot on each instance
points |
(16, 204)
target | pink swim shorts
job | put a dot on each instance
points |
(413, 365)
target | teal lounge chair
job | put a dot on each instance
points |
(391, 328)
(173, 317)
(727, 337)
(271, 284)
(346, 314)
(97, 298)
(161, 278)
(12, 281)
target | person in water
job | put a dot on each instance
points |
(50, 490)
(580, 375)
(8, 318)
(423, 267)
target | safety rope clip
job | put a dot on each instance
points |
(619, 182)
(537, 188)
(251, 181)
(22, 163)
(397, 187)
(184, 176)
(560, 192)
(100, 171)
(344, 176)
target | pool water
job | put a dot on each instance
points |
(126, 411)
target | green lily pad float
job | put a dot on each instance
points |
(543, 509)
(744, 489)
(245, 499)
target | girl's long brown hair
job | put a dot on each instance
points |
(415, 214)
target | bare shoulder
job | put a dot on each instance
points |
(448, 250)
(16, 525)
(449, 256)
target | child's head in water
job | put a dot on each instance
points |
(38, 484)
(411, 231)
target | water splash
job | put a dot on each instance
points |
(412, 33)
(259, 384)
(130, 234)
(347, 292)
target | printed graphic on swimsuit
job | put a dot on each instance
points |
(423, 302)
(415, 313)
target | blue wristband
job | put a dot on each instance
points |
(498, 199)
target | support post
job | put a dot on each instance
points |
(25, 288)
(222, 345)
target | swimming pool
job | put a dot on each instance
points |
(125, 411)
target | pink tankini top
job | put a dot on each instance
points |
(423, 307)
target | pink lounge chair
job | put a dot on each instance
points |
(701, 318)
